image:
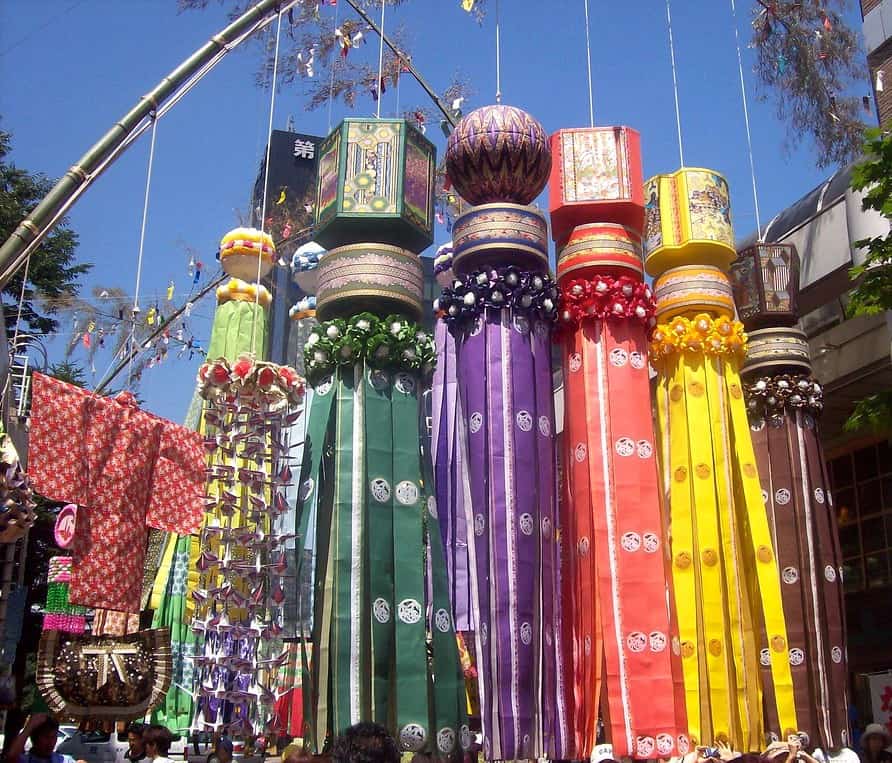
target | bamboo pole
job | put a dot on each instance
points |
(31, 231)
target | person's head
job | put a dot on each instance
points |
(365, 743)
(134, 738)
(875, 739)
(224, 750)
(157, 740)
(294, 753)
(44, 737)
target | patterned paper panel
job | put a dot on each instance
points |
(710, 206)
(653, 218)
(418, 182)
(371, 181)
(328, 177)
(592, 169)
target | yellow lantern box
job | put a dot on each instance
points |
(687, 221)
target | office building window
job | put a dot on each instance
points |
(862, 493)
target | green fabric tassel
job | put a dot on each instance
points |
(371, 631)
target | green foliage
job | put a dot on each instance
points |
(872, 412)
(69, 372)
(873, 176)
(53, 274)
(808, 61)
(873, 293)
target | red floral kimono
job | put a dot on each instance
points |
(127, 470)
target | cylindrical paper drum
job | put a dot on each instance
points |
(240, 250)
(375, 277)
(602, 248)
(693, 289)
(500, 234)
(773, 351)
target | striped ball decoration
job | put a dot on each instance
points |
(775, 351)
(687, 220)
(498, 154)
(595, 175)
(765, 279)
(601, 249)
(376, 183)
(692, 289)
(240, 251)
(375, 277)
(503, 234)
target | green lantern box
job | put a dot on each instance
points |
(376, 183)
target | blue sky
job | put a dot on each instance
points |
(69, 69)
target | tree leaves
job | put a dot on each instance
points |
(53, 274)
(342, 78)
(873, 293)
(808, 62)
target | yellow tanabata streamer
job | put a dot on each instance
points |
(725, 574)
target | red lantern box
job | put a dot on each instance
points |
(595, 177)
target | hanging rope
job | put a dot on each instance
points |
(675, 84)
(498, 55)
(333, 65)
(746, 122)
(588, 63)
(142, 240)
(269, 136)
(378, 87)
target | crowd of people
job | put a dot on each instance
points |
(371, 743)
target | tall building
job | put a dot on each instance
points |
(877, 16)
(290, 196)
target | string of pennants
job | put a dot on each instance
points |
(113, 322)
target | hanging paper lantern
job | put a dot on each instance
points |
(304, 266)
(724, 567)
(498, 154)
(500, 519)
(765, 278)
(358, 277)
(601, 248)
(691, 289)
(617, 629)
(383, 638)
(376, 183)
(246, 253)
(500, 234)
(784, 403)
(223, 643)
(595, 175)
(241, 321)
(443, 265)
(687, 221)
(303, 320)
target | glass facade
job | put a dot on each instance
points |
(862, 493)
